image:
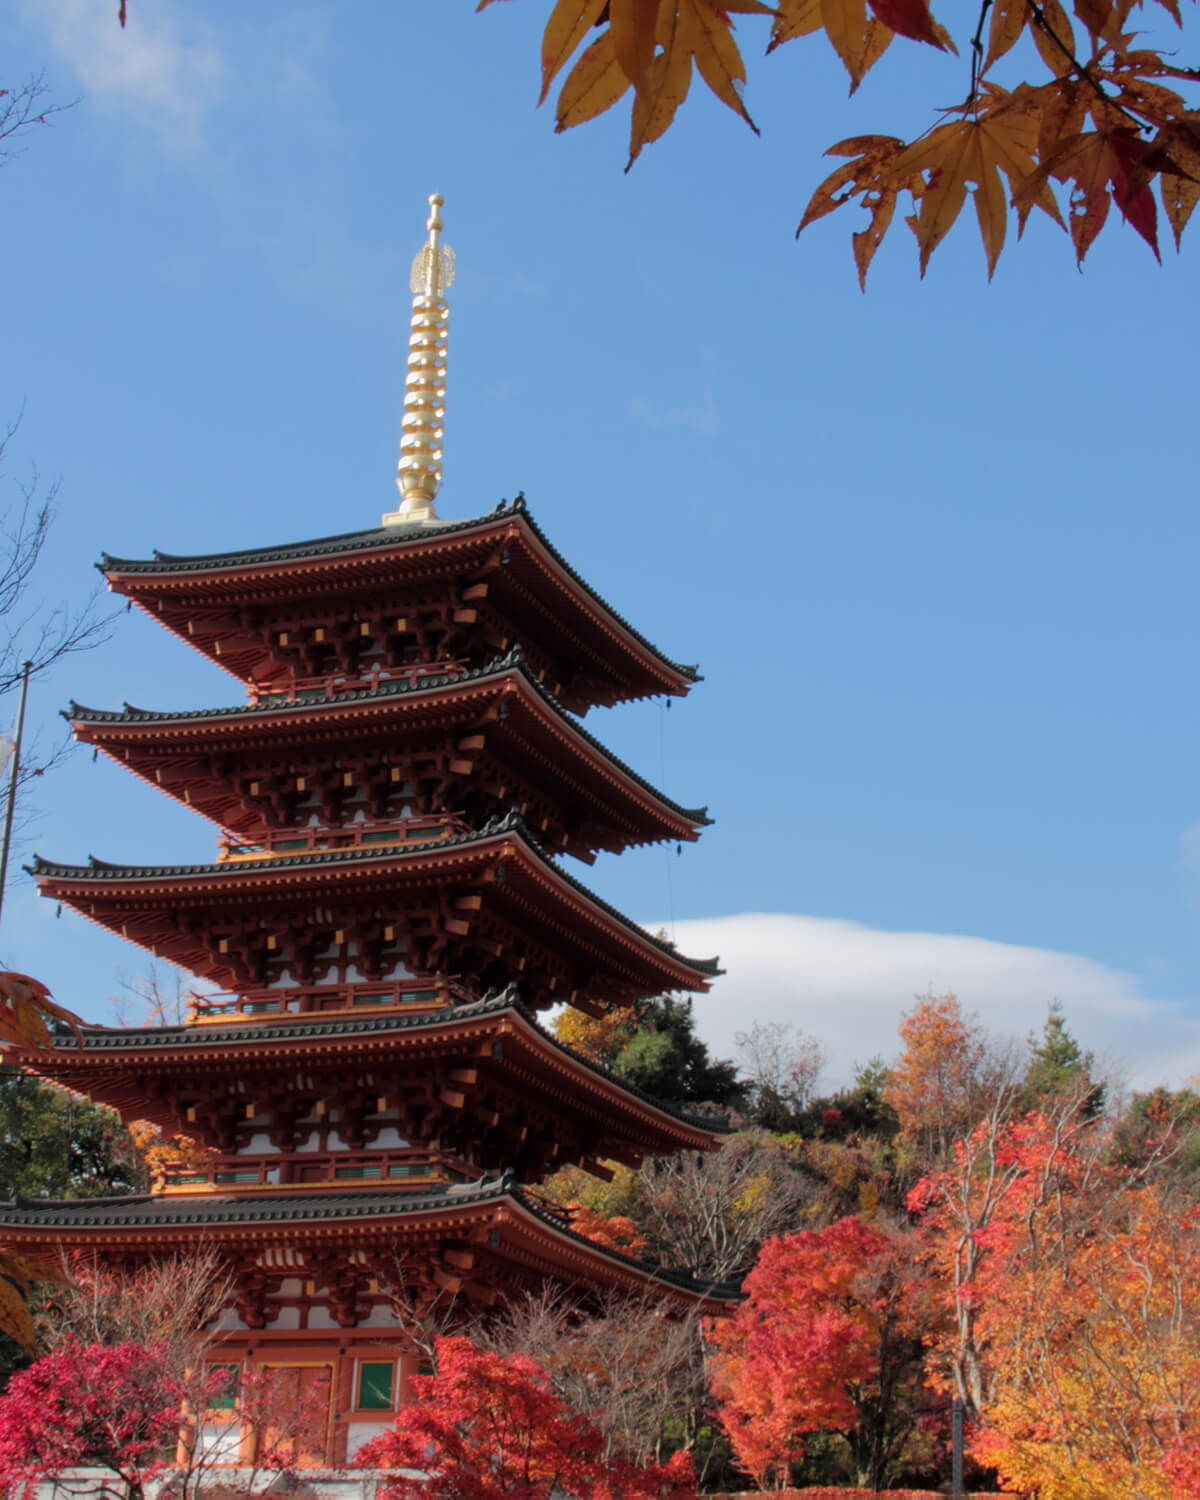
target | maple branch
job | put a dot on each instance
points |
(977, 55)
(1080, 70)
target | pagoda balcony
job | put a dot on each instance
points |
(328, 685)
(343, 1170)
(412, 994)
(283, 841)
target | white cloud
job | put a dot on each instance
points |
(702, 419)
(847, 984)
(166, 75)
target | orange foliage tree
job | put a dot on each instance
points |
(944, 1080)
(164, 1154)
(828, 1340)
(1105, 117)
(1076, 1337)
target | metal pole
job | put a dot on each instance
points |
(27, 667)
(956, 1451)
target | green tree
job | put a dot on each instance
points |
(1059, 1066)
(666, 1058)
(56, 1145)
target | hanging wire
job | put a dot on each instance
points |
(662, 786)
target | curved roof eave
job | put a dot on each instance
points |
(147, 1212)
(380, 538)
(511, 660)
(126, 1039)
(510, 824)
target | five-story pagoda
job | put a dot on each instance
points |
(385, 921)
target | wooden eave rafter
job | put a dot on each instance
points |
(528, 1059)
(558, 606)
(517, 878)
(541, 735)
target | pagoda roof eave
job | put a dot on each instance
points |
(677, 677)
(243, 872)
(67, 1062)
(142, 1221)
(510, 664)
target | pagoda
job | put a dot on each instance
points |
(386, 921)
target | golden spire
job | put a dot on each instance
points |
(420, 468)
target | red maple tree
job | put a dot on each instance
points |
(115, 1407)
(828, 1319)
(488, 1426)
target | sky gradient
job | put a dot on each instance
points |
(933, 547)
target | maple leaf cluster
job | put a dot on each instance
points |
(115, 1406)
(1105, 126)
(614, 1232)
(26, 1010)
(487, 1426)
(17, 1273)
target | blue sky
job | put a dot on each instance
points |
(934, 547)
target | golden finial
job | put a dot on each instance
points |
(420, 468)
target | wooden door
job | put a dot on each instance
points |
(295, 1429)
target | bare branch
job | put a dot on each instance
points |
(24, 107)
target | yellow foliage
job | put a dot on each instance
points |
(597, 1038)
(753, 1195)
(165, 1153)
(16, 1272)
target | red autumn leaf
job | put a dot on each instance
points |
(911, 18)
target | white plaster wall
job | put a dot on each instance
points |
(358, 1433)
(381, 1316)
(219, 1442)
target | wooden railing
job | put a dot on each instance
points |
(422, 994)
(322, 838)
(342, 1167)
(330, 684)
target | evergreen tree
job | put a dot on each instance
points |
(666, 1058)
(54, 1144)
(1058, 1066)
